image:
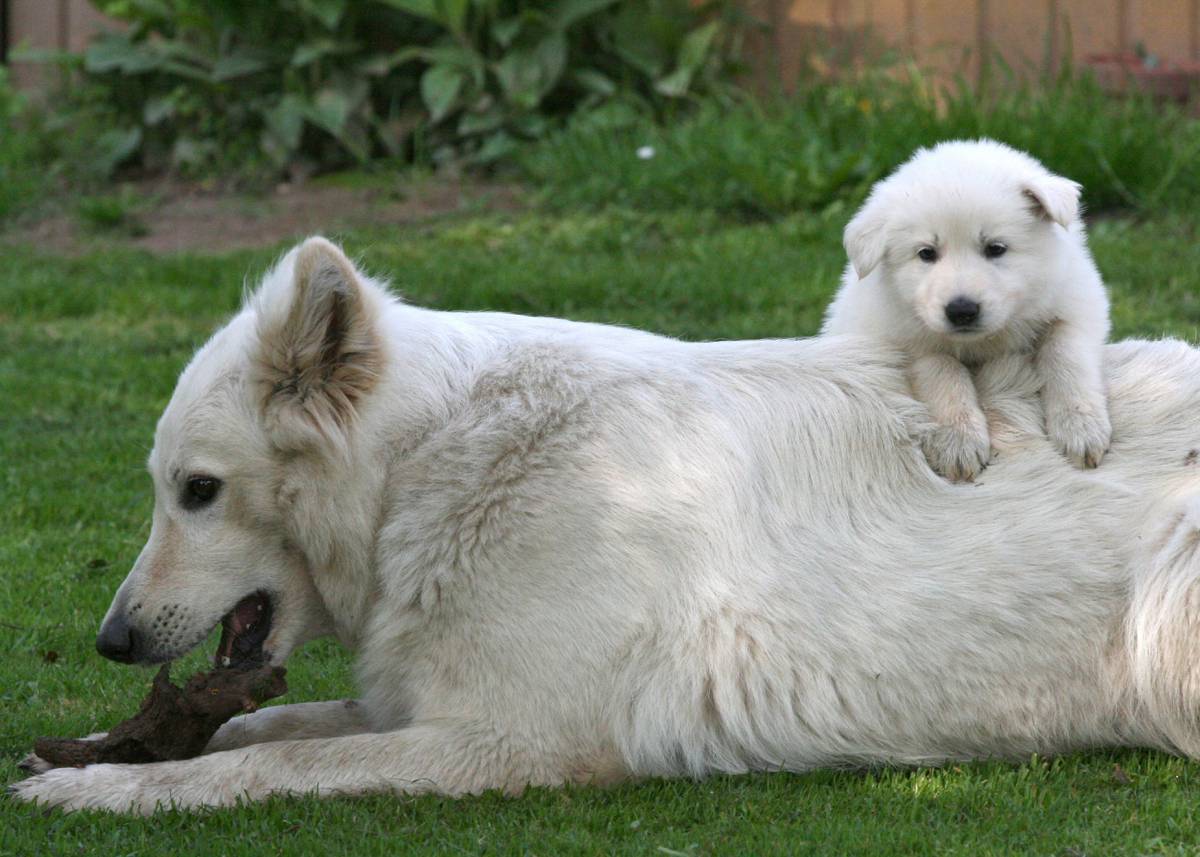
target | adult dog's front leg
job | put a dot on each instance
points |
(958, 446)
(1070, 363)
(448, 757)
(277, 723)
(301, 720)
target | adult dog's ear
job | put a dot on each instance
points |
(1054, 198)
(865, 239)
(319, 352)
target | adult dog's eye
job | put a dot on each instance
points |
(995, 249)
(200, 490)
(927, 254)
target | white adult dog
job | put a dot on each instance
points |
(970, 252)
(570, 552)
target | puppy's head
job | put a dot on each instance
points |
(966, 234)
(264, 409)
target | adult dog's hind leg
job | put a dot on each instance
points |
(1163, 628)
(445, 757)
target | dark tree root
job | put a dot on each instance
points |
(172, 723)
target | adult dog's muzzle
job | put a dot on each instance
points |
(117, 640)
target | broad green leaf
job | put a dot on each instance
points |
(594, 82)
(531, 125)
(330, 110)
(507, 30)
(566, 13)
(190, 152)
(113, 147)
(186, 71)
(421, 8)
(116, 52)
(309, 52)
(526, 75)
(692, 55)
(694, 50)
(473, 122)
(440, 88)
(494, 148)
(453, 55)
(328, 12)
(647, 36)
(158, 109)
(238, 65)
(285, 121)
(453, 14)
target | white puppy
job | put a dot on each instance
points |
(968, 252)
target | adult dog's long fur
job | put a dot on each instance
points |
(570, 552)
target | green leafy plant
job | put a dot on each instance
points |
(501, 71)
(199, 82)
(257, 86)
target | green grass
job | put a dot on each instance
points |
(831, 141)
(22, 176)
(116, 213)
(89, 351)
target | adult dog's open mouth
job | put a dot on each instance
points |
(244, 629)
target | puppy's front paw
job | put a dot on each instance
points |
(959, 450)
(1080, 429)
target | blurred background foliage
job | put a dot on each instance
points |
(272, 86)
(644, 104)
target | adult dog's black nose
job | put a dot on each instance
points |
(117, 640)
(962, 312)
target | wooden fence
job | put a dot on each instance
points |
(952, 35)
(45, 25)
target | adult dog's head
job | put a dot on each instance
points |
(968, 235)
(257, 424)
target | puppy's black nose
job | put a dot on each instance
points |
(962, 312)
(117, 640)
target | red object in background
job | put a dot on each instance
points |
(1123, 73)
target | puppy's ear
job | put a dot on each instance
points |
(1055, 198)
(319, 352)
(865, 239)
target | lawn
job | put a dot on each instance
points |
(89, 351)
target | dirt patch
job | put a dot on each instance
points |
(174, 218)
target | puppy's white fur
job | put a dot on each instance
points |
(570, 552)
(1043, 296)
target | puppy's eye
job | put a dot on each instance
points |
(995, 249)
(199, 491)
(927, 254)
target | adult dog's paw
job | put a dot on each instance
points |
(109, 787)
(959, 450)
(1080, 429)
(136, 789)
(34, 764)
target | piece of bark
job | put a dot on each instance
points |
(172, 723)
